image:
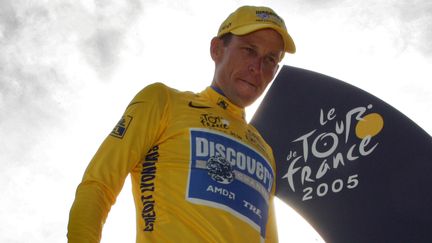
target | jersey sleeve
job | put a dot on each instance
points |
(271, 230)
(137, 131)
(272, 233)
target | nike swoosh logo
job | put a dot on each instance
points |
(198, 106)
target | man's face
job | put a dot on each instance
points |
(245, 66)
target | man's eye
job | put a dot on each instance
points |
(249, 50)
(271, 60)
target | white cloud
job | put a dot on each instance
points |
(68, 69)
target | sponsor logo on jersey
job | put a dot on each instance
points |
(220, 170)
(227, 174)
(213, 121)
(222, 103)
(147, 187)
(254, 139)
(198, 106)
(120, 129)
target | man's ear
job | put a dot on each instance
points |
(216, 48)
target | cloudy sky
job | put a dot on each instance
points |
(68, 68)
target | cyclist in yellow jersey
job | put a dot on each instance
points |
(200, 172)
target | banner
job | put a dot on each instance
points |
(354, 167)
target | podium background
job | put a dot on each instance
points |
(378, 187)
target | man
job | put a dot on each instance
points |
(199, 172)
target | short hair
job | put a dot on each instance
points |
(226, 38)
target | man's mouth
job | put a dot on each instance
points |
(249, 83)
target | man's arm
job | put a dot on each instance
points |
(88, 213)
(271, 230)
(134, 135)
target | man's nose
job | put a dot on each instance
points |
(255, 65)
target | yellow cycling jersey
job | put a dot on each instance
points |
(199, 172)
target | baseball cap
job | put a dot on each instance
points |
(248, 19)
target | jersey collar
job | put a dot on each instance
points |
(222, 102)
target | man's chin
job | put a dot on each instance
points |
(247, 101)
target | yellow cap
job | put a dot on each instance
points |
(248, 19)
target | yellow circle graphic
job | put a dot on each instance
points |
(371, 125)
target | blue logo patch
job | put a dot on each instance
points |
(120, 129)
(227, 174)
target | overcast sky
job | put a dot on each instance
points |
(68, 68)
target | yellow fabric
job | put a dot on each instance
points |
(159, 141)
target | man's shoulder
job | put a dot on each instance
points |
(160, 92)
(159, 87)
(155, 87)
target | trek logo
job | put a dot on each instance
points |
(198, 106)
(120, 129)
(227, 174)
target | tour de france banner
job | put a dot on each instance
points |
(354, 167)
